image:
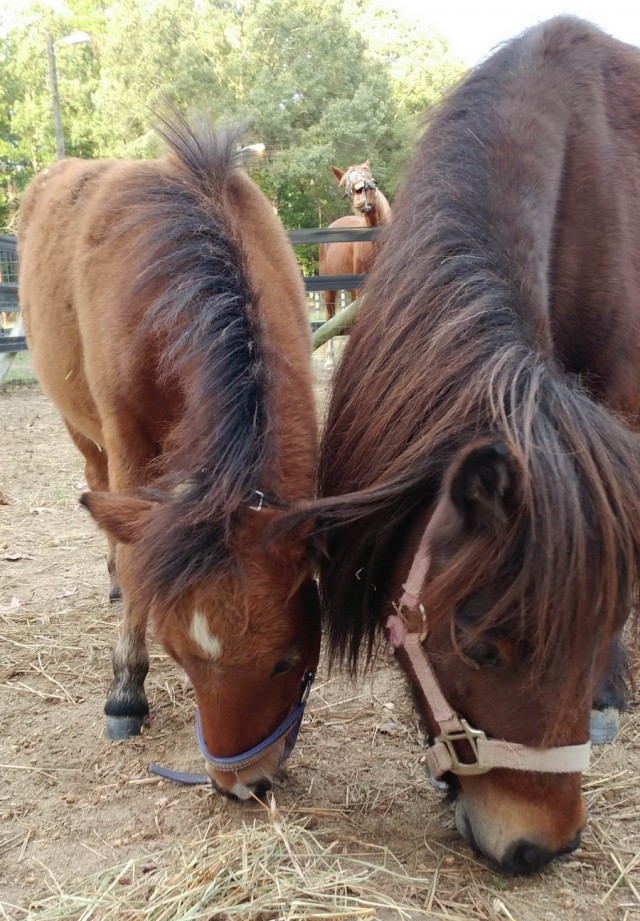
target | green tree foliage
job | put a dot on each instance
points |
(319, 82)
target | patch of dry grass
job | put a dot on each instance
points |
(357, 833)
(275, 867)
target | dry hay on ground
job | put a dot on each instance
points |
(354, 830)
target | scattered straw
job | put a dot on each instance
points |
(361, 814)
(275, 868)
(623, 876)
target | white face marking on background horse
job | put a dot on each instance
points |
(201, 635)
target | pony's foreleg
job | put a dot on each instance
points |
(611, 694)
(127, 707)
(97, 476)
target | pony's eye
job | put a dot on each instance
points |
(282, 667)
(487, 655)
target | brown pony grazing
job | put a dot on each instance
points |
(166, 320)
(481, 444)
(371, 210)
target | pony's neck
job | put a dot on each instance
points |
(380, 213)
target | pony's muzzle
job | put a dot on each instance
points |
(527, 856)
(256, 789)
(519, 841)
(246, 780)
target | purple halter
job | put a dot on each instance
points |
(288, 728)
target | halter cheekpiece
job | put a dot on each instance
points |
(442, 754)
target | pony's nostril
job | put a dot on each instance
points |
(577, 841)
(260, 788)
(525, 856)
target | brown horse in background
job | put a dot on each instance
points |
(371, 210)
(482, 434)
(166, 320)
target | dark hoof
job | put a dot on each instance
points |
(123, 727)
(604, 725)
(115, 594)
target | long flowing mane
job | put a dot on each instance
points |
(460, 338)
(203, 316)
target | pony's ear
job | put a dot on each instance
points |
(484, 484)
(338, 173)
(122, 517)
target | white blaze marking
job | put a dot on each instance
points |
(201, 634)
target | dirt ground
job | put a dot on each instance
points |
(72, 804)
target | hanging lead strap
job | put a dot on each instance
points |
(185, 777)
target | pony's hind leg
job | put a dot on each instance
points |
(611, 694)
(96, 472)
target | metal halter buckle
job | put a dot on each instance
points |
(261, 501)
(307, 680)
(466, 734)
(265, 501)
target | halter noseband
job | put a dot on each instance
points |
(442, 755)
(288, 728)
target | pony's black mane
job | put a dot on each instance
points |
(454, 343)
(204, 323)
